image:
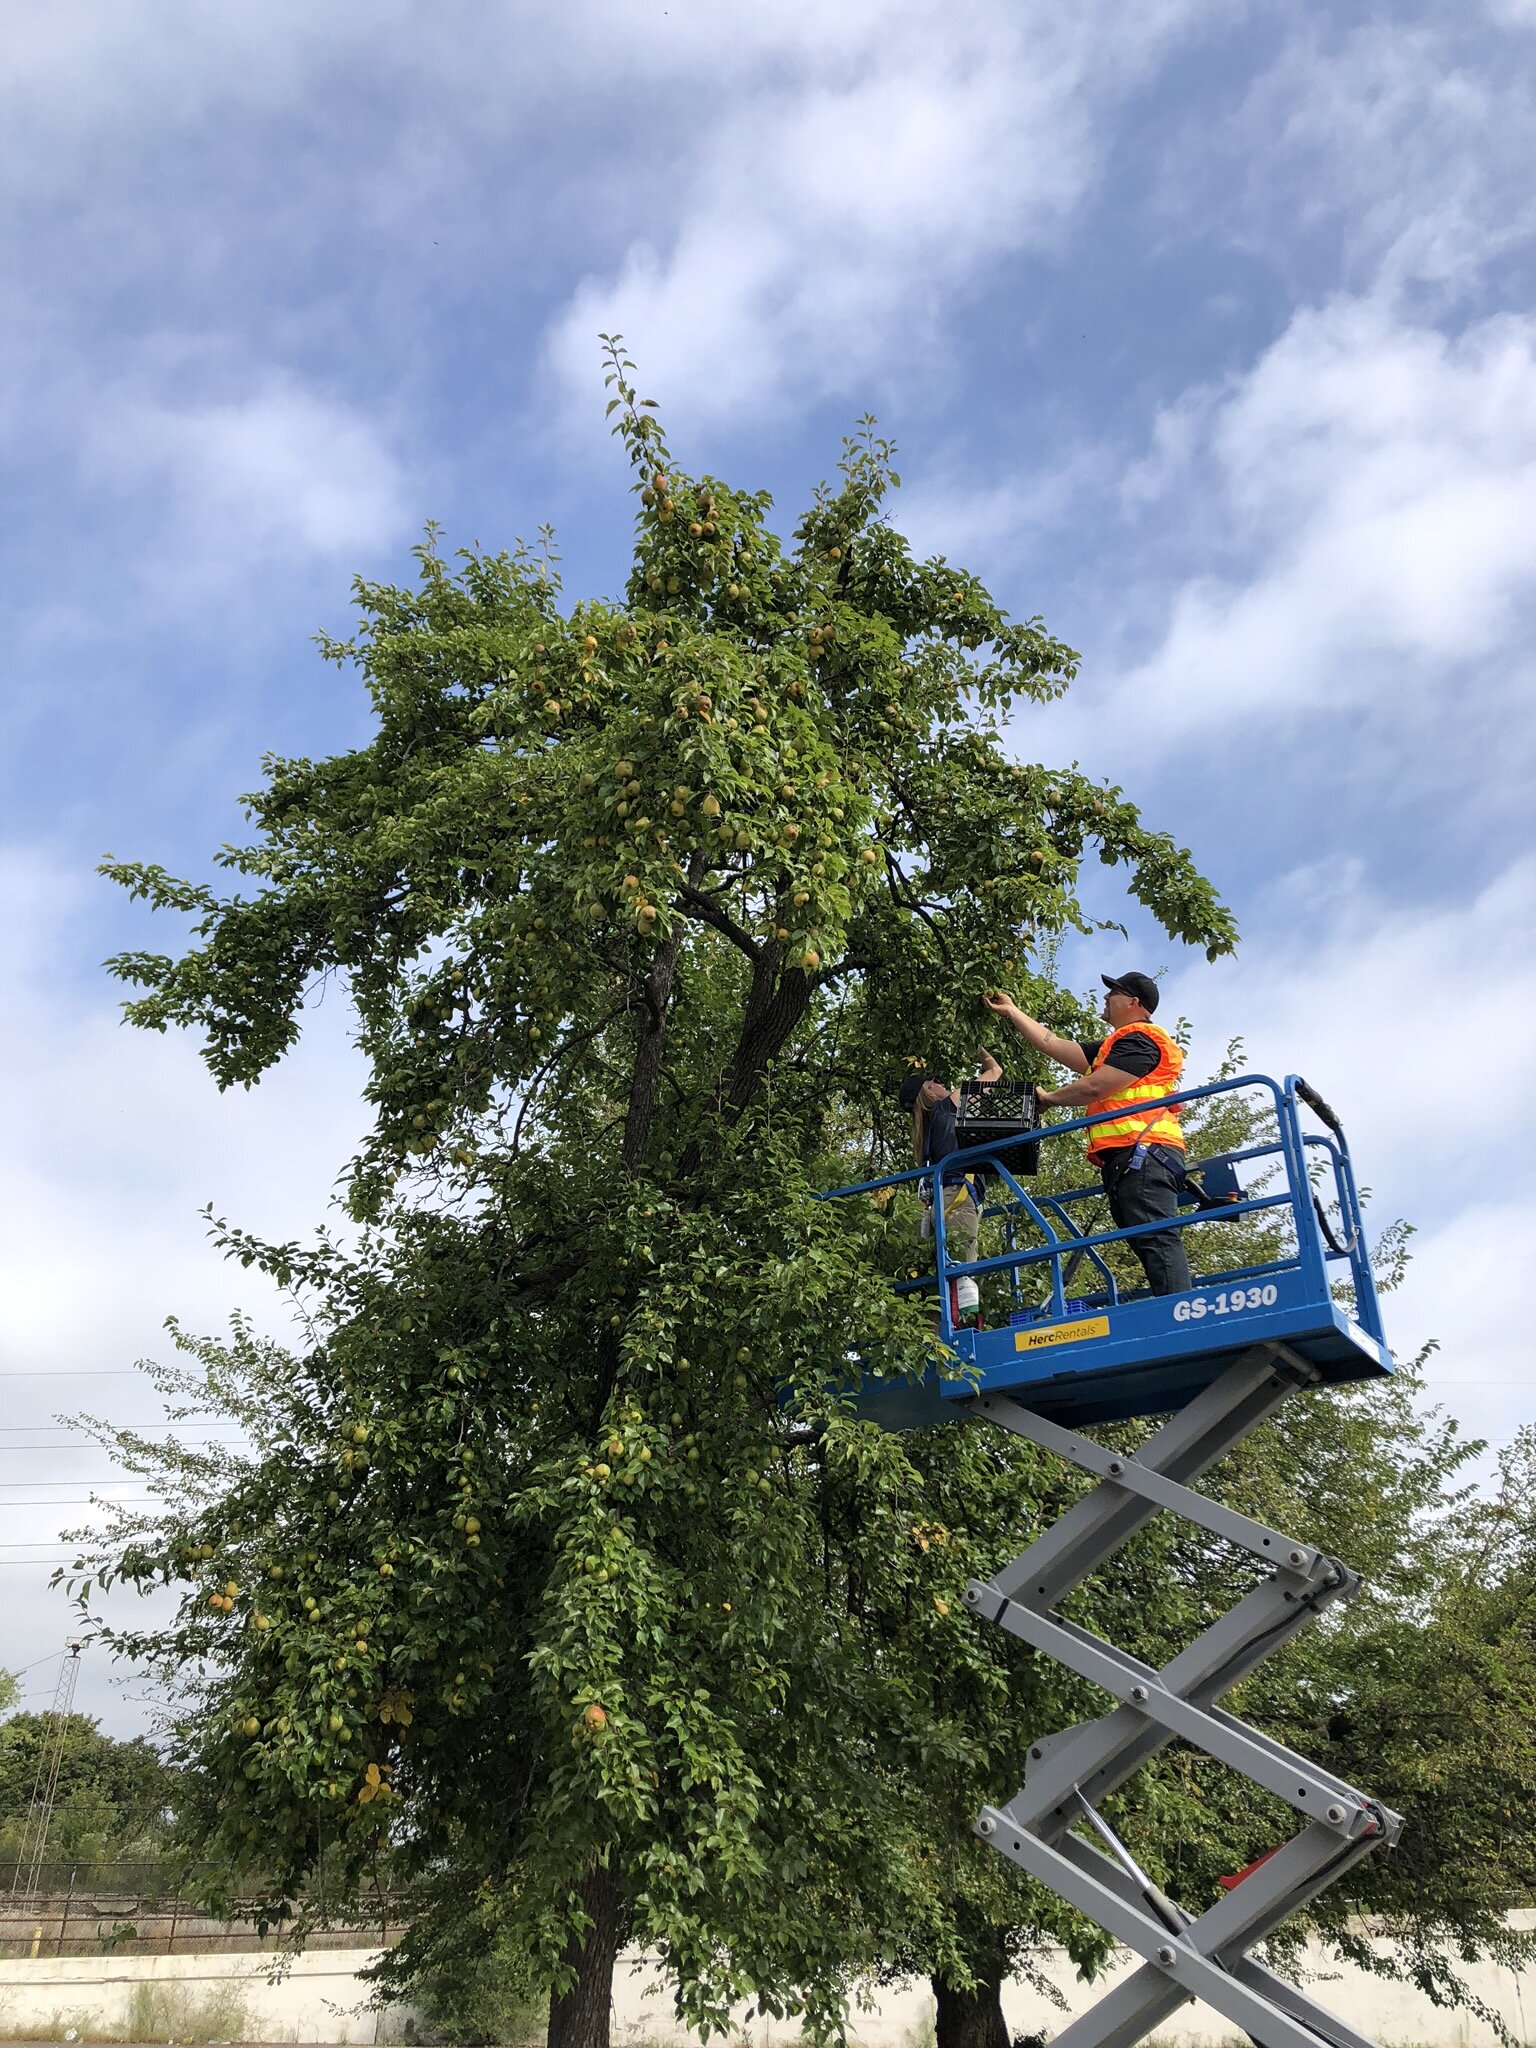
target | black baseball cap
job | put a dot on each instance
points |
(912, 1087)
(1141, 988)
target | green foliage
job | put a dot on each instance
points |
(115, 1799)
(479, 1985)
(787, 759)
(1444, 1702)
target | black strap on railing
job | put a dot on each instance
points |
(1321, 1110)
(1341, 1251)
(1089, 1226)
(1318, 1107)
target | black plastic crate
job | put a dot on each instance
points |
(991, 1112)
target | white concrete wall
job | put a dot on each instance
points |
(317, 1998)
(1387, 2012)
(320, 1999)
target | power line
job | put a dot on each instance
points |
(85, 1442)
(18, 1450)
(46, 1659)
(9, 1485)
(29, 1428)
(69, 1372)
(80, 1500)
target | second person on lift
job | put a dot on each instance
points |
(1140, 1153)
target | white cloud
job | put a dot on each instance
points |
(1403, 144)
(1415, 1021)
(1469, 1288)
(1398, 1012)
(120, 1136)
(1377, 481)
(94, 68)
(824, 227)
(279, 470)
(950, 513)
(115, 1139)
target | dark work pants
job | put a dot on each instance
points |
(1142, 1195)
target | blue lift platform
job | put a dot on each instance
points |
(1216, 1361)
(1101, 1354)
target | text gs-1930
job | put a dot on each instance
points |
(1233, 1301)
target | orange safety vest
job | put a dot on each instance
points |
(1155, 1126)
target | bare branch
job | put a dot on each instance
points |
(907, 896)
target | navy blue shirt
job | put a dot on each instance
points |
(940, 1136)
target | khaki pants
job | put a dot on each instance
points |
(962, 1224)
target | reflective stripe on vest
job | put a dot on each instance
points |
(1147, 1126)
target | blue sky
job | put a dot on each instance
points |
(1206, 331)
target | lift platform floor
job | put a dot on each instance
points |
(1105, 1362)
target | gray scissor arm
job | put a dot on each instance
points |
(1184, 1956)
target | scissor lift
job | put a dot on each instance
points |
(1218, 1361)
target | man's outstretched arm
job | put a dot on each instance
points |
(1085, 1093)
(1065, 1051)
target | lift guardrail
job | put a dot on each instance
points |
(1149, 1353)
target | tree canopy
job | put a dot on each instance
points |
(637, 903)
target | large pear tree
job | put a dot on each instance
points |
(555, 1568)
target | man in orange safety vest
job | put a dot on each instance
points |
(1140, 1153)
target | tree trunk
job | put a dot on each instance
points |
(649, 1053)
(776, 1003)
(971, 2019)
(579, 2018)
(657, 995)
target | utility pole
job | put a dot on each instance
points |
(45, 1786)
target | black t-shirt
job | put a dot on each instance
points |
(1135, 1054)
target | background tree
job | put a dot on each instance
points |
(1443, 1706)
(115, 1801)
(625, 896)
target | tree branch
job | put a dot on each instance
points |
(709, 912)
(541, 1074)
(657, 989)
(904, 894)
(775, 1006)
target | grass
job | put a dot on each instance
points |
(156, 2012)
